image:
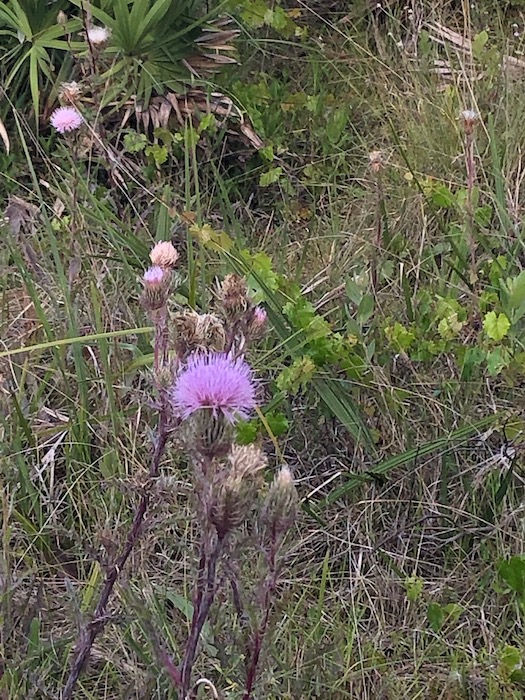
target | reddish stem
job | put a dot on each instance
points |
(100, 618)
(204, 601)
(270, 584)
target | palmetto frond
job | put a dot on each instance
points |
(191, 105)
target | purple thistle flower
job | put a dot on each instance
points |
(217, 382)
(66, 119)
(154, 276)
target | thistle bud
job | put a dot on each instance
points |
(469, 118)
(156, 282)
(236, 493)
(233, 294)
(257, 323)
(280, 507)
(164, 254)
(227, 510)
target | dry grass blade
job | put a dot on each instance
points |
(462, 44)
(4, 136)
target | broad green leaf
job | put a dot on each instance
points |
(513, 573)
(270, 177)
(414, 587)
(496, 326)
(497, 360)
(435, 616)
(511, 658)
(478, 44)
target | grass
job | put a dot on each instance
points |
(405, 440)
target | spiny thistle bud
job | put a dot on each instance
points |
(280, 507)
(164, 254)
(246, 461)
(156, 281)
(233, 295)
(469, 118)
(236, 493)
(257, 322)
(376, 161)
(210, 435)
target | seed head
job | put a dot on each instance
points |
(69, 92)
(469, 118)
(246, 461)
(164, 254)
(98, 35)
(376, 161)
(199, 332)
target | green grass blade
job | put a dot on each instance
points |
(454, 438)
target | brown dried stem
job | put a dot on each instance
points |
(269, 585)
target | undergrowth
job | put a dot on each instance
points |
(362, 170)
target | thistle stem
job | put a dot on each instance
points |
(269, 586)
(471, 179)
(92, 629)
(204, 600)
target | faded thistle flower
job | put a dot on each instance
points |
(155, 281)
(376, 160)
(237, 491)
(199, 331)
(217, 383)
(69, 92)
(164, 254)
(233, 295)
(98, 35)
(470, 118)
(66, 119)
(280, 507)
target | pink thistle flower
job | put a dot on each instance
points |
(66, 119)
(215, 381)
(259, 317)
(156, 282)
(257, 322)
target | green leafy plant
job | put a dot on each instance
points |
(158, 46)
(32, 44)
